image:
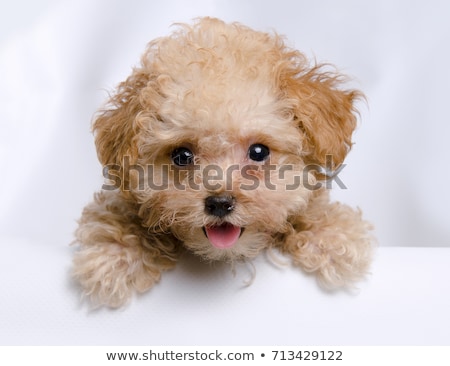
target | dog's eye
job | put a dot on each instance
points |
(258, 152)
(182, 156)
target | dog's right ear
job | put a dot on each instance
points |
(115, 126)
(324, 112)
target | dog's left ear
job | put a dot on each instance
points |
(115, 126)
(325, 114)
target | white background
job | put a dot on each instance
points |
(58, 59)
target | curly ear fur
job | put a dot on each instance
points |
(116, 125)
(325, 113)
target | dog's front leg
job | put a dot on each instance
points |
(331, 240)
(116, 255)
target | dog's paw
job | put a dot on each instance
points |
(338, 248)
(336, 262)
(110, 273)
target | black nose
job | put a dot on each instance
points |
(219, 206)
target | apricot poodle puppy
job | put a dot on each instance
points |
(221, 142)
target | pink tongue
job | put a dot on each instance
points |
(223, 236)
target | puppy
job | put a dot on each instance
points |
(220, 143)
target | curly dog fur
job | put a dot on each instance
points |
(202, 143)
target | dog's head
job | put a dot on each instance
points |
(215, 134)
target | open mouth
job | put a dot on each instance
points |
(223, 236)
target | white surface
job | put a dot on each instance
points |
(405, 302)
(57, 59)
